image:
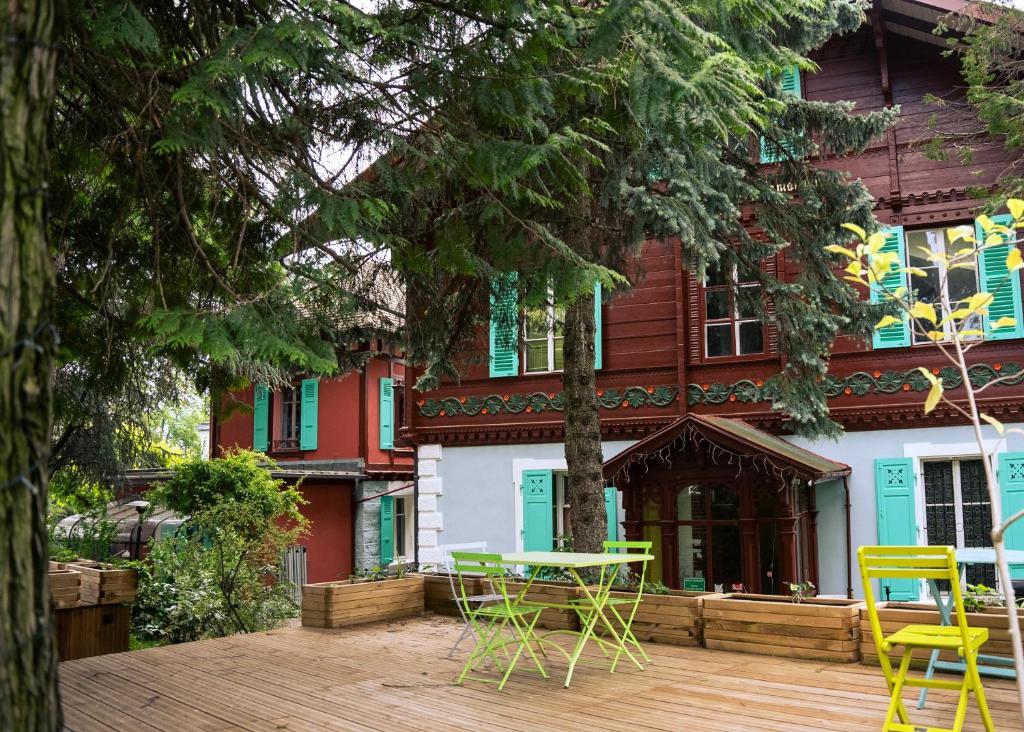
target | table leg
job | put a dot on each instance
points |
(596, 602)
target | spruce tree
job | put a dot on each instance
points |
(670, 98)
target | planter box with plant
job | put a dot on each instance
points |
(105, 584)
(896, 615)
(811, 628)
(361, 600)
(667, 616)
(65, 585)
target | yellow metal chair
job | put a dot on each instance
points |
(931, 563)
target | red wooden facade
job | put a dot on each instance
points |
(348, 450)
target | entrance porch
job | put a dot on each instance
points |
(724, 502)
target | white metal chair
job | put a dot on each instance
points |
(477, 600)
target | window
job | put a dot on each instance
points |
(939, 282)
(401, 517)
(291, 419)
(545, 332)
(560, 514)
(957, 510)
(732, 326)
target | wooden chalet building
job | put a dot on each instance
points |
(337, 436)
(699, 462)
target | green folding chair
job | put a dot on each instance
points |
(496, 627)
(930, 563)
(629, 604)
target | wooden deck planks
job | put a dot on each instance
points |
(389, 676)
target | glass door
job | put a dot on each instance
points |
(957, 511)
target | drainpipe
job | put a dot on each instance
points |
(849, 540)
(416, 506)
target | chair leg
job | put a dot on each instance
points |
(896, 690)
(525, 635)
(466, 630)
(886, 663)
(979, 692)
(961, 704)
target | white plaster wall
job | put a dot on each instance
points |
(471, 494)
(859, 450)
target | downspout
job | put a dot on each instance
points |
(849, 540)
(416, 506)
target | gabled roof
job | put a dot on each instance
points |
(735, 436)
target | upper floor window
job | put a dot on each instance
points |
(732, 301)
(932, 281)
(544, 336)
(291, 419)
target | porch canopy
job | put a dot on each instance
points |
(729, 440)
(724, 504)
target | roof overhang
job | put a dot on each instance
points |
(148, 476)
(736, 437)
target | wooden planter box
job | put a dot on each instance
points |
(105, 584)
(92, 630)
(555, 592)
(339, 604)
(437, 592)
(675, 618)
(818, 629)
(65, 585)
(896, 615)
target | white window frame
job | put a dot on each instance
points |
(549, 307)
(918, 339)
(922, 452)
(561, 504)
(404, 504)
(733, 289)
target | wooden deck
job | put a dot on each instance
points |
(394, 676)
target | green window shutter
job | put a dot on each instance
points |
(896, 335)
(538, 504)
(387, 414)
(597, 324)
(897, 517)
(611, 509)
(1011, 489)
(310, 400)
(790, 83)
(1004, 286)
(387, 530)
(260, 418)
(504, 339)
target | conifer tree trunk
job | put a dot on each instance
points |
(583, 429)
(29, 698)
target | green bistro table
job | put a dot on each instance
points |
(596, 596)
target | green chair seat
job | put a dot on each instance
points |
(943, 637)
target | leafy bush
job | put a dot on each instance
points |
(219, 574)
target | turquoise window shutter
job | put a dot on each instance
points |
(387, 530)
(1004, 286)
(504, 337)
(789, 81)
(387, 414)
(538, 504)
(260, 418)
(611, 509)
(1011, 489)
(597, 324)
(310, 400)
(897, 517)
(896, 335)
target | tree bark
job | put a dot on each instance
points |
(29, 697)
(583, 429)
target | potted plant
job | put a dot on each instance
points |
(365, 597)
(799, 626)
(985, 609)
